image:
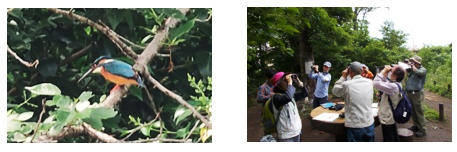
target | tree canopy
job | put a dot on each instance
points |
(286, 39)
(170, 48)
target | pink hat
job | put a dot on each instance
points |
(276, 78)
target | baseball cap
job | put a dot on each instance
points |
(328, 64)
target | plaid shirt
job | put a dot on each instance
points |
(264, 92)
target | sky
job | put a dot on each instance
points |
(425, 25)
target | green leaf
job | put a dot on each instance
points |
(115, 17)
(128, 19)
(44, 89)
(85, 113)
(19, 137)
(103, 113)
(102, 98)
(80, 106)
(87, 30)
(94, 122)
(112, 122)
(135, 91)
(156, 124)
(50, 119)
(56, 128)
(65, 117)
(24, 116)
(64, 102)
(181, 133)
(181, 113)
(85, 96)
(184, 28)
(145, 39)
(12, 126)
(26, 128)
(204, 63)
(146, 131)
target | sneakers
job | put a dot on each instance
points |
(414, 128)
(420, 134)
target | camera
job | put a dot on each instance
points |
(314, 68)
(294, 76)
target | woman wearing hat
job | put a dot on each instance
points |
(289, 122)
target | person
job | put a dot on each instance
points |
(366, 72)
(358, 97)
(289, 123)
(323, 81)
(415, 91)
(388, 85)
(265, 91)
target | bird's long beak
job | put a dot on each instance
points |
(87, 73)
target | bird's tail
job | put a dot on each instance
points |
(140, 82)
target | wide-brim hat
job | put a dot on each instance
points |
(278, 77)
(416, 59)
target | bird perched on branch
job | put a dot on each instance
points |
(115, 71)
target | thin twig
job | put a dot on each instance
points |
(130, 42)
(27, 64)
(160, 139)
(43, 103)
(205, 20)
(105, 29)
(141, 126)
(192, 130)
(178, 98)
(62, 63)
(100, 135)
(75, 55)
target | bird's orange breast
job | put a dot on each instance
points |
(117, 79)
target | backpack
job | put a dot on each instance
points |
(269, 118)
(402, 113)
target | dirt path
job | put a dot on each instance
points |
(436, 131)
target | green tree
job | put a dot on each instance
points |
(392, 38)
(170, 48)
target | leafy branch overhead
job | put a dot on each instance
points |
(47, 104)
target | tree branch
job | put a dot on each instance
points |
(75, 55)
(141, 126)
(43, 103)
(178, 98)
(155, 45)
(106, 30)
(27, 64)
(100, 135)
(161, 139)
(62, 63)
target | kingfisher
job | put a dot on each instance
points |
(115, 71)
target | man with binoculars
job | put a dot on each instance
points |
(323, 80)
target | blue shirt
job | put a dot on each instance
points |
(323, 80)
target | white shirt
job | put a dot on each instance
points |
(358, 97)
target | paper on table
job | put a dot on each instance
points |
(374, 105)
(374, 111)
(326, 117)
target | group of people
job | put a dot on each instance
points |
(356, 87)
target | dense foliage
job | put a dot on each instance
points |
(66, 48)
(286, 38)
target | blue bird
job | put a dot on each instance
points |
(115, 71)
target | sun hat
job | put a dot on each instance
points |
(416, 59)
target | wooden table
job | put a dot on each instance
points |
(335, 127)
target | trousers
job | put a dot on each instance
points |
(417, 99)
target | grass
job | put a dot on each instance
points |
(430, 114)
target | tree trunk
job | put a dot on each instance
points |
(306, 55)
